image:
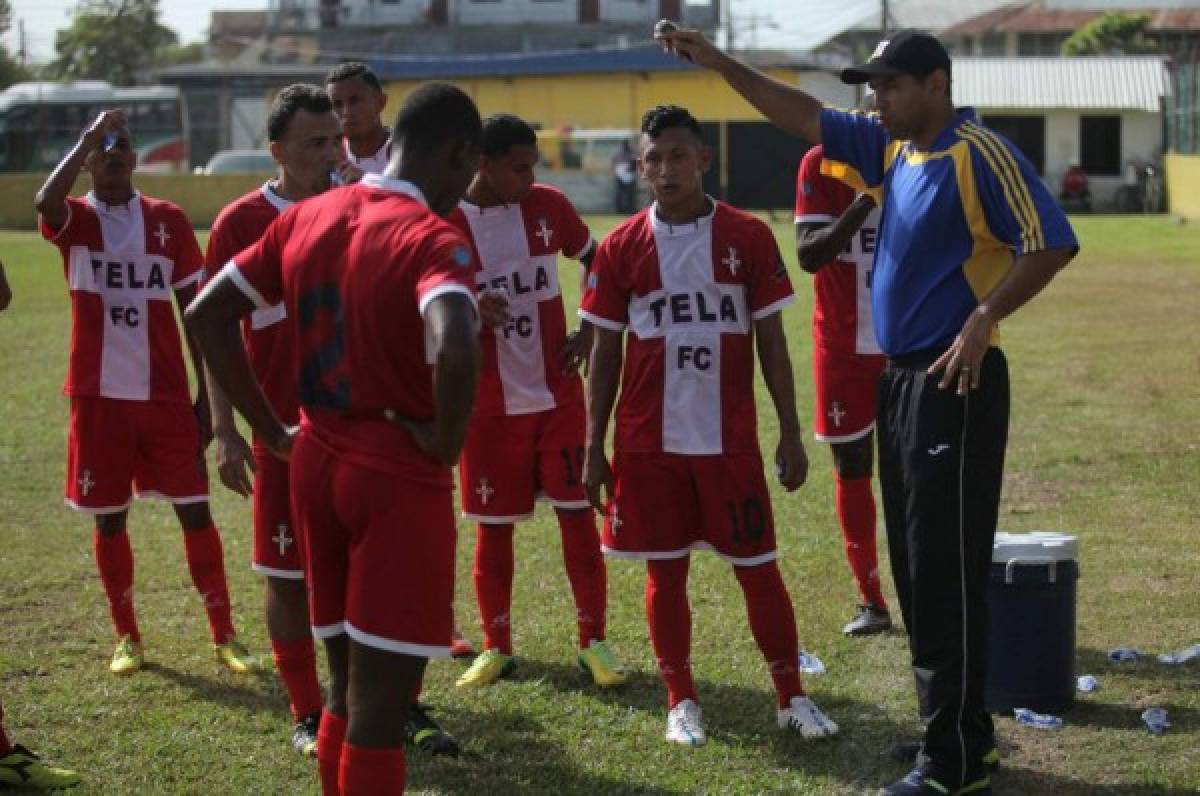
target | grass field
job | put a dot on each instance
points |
(1105, 443)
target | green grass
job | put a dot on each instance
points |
(1105, 443)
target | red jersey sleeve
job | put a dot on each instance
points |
(258, 270)
(769, 289)
(577, 238)
(819, 198)
(447, 268)
(70, 231)
(189, 262)
(222, 245)
(606, 294)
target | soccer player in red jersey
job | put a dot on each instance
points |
(306, 142)
(378, 288)
(835, 239)
(133, 430)
(526, 434)
(699, 285)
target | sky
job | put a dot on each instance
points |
(778, 22)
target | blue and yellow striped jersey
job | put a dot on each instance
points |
(954, 219)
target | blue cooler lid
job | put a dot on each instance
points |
(1036, 546)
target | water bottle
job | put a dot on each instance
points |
(1123, 655)
(1040, 720)
(1087, 684)
(1156, 720)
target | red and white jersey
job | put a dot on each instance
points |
(122, 263)
(268, 341)
(372, 164)
(357, 267)
(517, 249)
(842, 310)
(690, 295)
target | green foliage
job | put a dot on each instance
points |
(181, 54)
(1111, 33)
(113, 40)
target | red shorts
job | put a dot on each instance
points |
(665, 505)
(511, 460)
(277, 551)
(845, 385)
(379, 552)
(116, 449)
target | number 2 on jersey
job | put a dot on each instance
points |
(323, 342)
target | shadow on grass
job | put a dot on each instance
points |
(252, 692)
(1024, 781)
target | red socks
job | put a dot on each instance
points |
(331, 734)
(114, 559)
(296, 661)
(585, 570)
(206, 563)
(773, 623)
(493, 575)
(670, 620)
(856, 511)
(5, 744)
(370, 771)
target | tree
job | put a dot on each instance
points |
(10, 71)
(1111, 33)
(113, 40)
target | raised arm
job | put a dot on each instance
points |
(787, 107)
(51, 200)
(604, 376)
(819, 243)
(790, 459)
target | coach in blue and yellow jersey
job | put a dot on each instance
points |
(969, 234)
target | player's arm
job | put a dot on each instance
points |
(603, 378)
(51, 200)
(575, 352)
(787, 107)
(213, 319)
(818, 243)
(5, 290)
(183, 297)
(790, 459)
(450, 325)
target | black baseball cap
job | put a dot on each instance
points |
(905, 52)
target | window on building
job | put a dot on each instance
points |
(1100, 145)
(1027, 132)
(993, 44)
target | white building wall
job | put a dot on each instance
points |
(511, 12)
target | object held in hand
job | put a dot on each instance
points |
(664, 26)
(109, 142)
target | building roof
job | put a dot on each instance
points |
(1041, 18)
(1096, 83)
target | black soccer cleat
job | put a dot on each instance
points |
(427, 735)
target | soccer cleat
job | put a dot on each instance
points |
(685, 724)
(427, 735)
(304, 736)
(869, 620)
(803, 716)
(918, 782)
(908, 752)
(128, 657)
(22, 768)
(599, 661)
(460, 646)
(234, 656)
(489, 667)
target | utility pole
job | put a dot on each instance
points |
(883, 19)
(727, 12)
(22, 51)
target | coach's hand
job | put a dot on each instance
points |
(690, 45)
(961, 363)
(791, 461)
(577, 349)
(597, 478)
(235, 462)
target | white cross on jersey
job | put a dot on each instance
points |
(162, 234)
(484, 491)
(544, 232)
(86, 483)
(732, 262)
(836, 413)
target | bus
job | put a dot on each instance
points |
(40, 122)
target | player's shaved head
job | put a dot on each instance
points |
(503, 131)
(293, 99)
(354, 69)
(435, 113)
(666, 117)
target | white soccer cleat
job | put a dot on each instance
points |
(685, 724)
(802, 715)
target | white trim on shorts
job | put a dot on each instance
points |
(178, 501)
(846, 437)
(272, 572)
(390, 645)
(101, 510)
(566, 504)
(488, 519)
(665, 555)
(322, 632)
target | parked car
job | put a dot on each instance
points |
(240, 161)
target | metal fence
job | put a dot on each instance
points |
(1182, 117)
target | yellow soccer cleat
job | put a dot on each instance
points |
(128, 657)
(489, 667)
(599, 661)
(234, 656)
(22, 768)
